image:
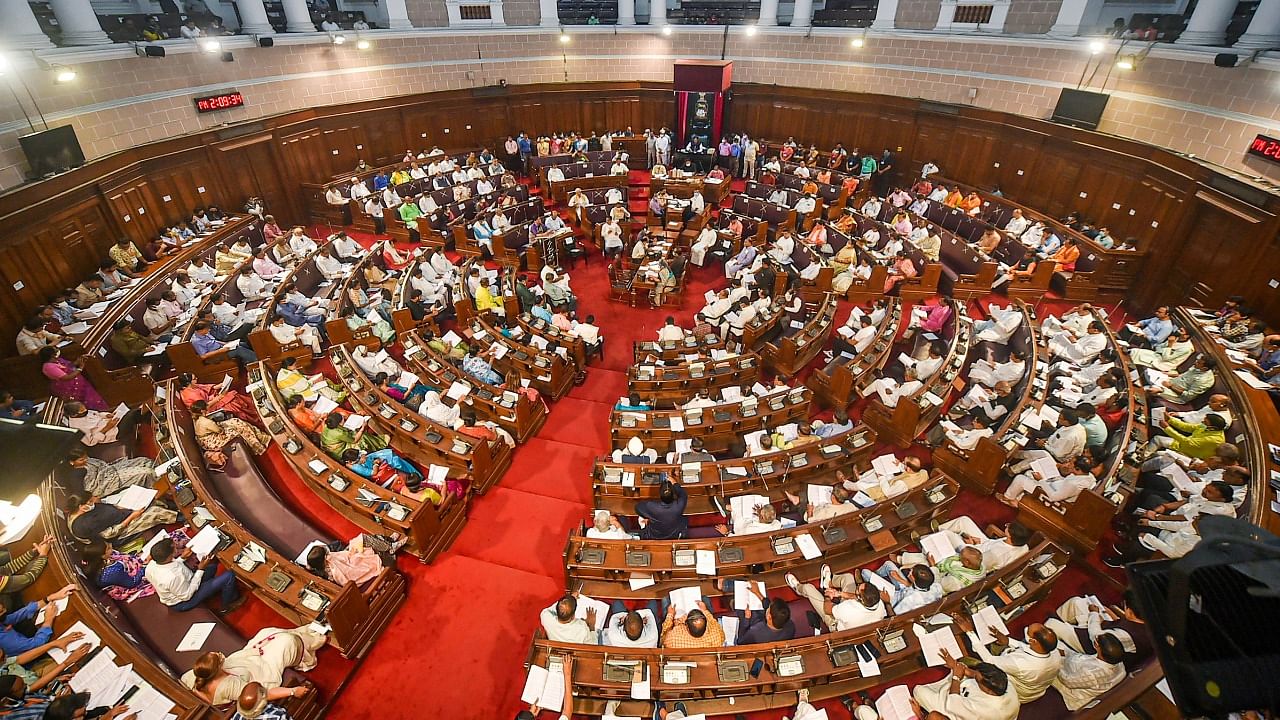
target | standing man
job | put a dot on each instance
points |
(650, 148)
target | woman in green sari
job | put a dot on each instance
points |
(337, 439)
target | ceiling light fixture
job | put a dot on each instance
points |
(666, 30)
(751, 30)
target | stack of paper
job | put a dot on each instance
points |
(204, 542)
(686, 599)
(544, 689)
(895, 704)
(933, 643)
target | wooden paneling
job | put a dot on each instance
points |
(56, 231)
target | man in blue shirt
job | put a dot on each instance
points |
(206, 344)
(1154, 331)
(380, 181)
(14, 642)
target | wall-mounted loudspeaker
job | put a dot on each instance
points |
(1226, 59)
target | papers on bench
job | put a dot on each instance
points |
(75, 328)
(685, 599)
(90, 638)
(895, 704)
(932, 643)
(985, 619)
(640, 581)
(195, 637)
(602, 611)
(545, 688)
(1251, 380)
(105, 681)
(149, 703)
(61, 606)
(705, 563)
(808, 546)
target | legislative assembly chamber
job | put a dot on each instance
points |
(639, 359)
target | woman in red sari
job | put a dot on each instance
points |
(394, 259)
(230, 401)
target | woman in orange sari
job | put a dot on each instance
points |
(971, 204)
(953, 198)
(307, 419)
(230, 401)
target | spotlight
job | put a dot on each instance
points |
(63, 74)
(751, 30)
(363, 44)
(857, 42)
(338, 39)
(666, 30)
(1127, 62)
(564, 37)
(148, 50)
(210, 46)
(265, 41)
(1097, 46)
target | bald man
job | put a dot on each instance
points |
(252, 703)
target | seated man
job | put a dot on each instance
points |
(1085, 677)
(664, 518)
(254, 703)
(843, 603)
(14, 641)
(1079, 348)
(697, 629)
(630, 629)
(1074, 477)
(205, 345)
(560, 623)
(1031, 665)
(1195, 440)
(989, 373)
(978, 692)
(891, 391)
(905, 589)
(954, 572)
(178, 587)
(1186, 386)
(1065, 444)
(772, 624)
(999, 547)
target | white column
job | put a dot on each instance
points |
(19, 29)
(1208, 24)
(1076, 17)
(79, 23)
(253, 18)
(398, 15)
(1264, 29)
(768, 12)
(658, 12)
(803, 14)
(886, 14)
(626, 12)
(550, 12)
(297, 16)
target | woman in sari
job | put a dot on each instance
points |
(411, 397)
(394, 259)
(214, 436)
(219, 679)
(102, 478)
(307, 419)
(383, 467)
(228, 401)
(93, 519)
(367, 311)
(358, 561)
(338, 439)
(379, 278)
(844, 259)
(291, 382)
(67, 380)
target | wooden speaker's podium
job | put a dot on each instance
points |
(700, 87)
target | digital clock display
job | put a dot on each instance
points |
(221, 101)
(1265, 147)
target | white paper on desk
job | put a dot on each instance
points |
(499, 352)
(61, 605)
(1049, 414)
(1047, 467)
(602, 611)
(323, 406)
(868, 666)
(932, 643)
(149, 703)
(98, 674)
(938, 545)
(1251, 380)
(932, 398)
(451, 338)
(818, 495)
(136, 497)
(808, 546)
(677, 423)
(1031, 419)
(640, 689)
(75, 328)
(988, 617)
(685, 599)
(458, 390)
(895, 704)
(705, 563)
(640, 581)
(730, 624)
(204, 542)
(195, 637)
(744, 599)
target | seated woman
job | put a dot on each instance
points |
(394, 259)
(228, 401)
(218, 678)
(102, 478)
(93, 519)
(308, 419)
(364, 315)
(67, 380)
(358, 561)
(384, 466)
(214, 435)
(292, 382)
(411, 397)
(121, 575)
(379, 278)
(338, 439)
